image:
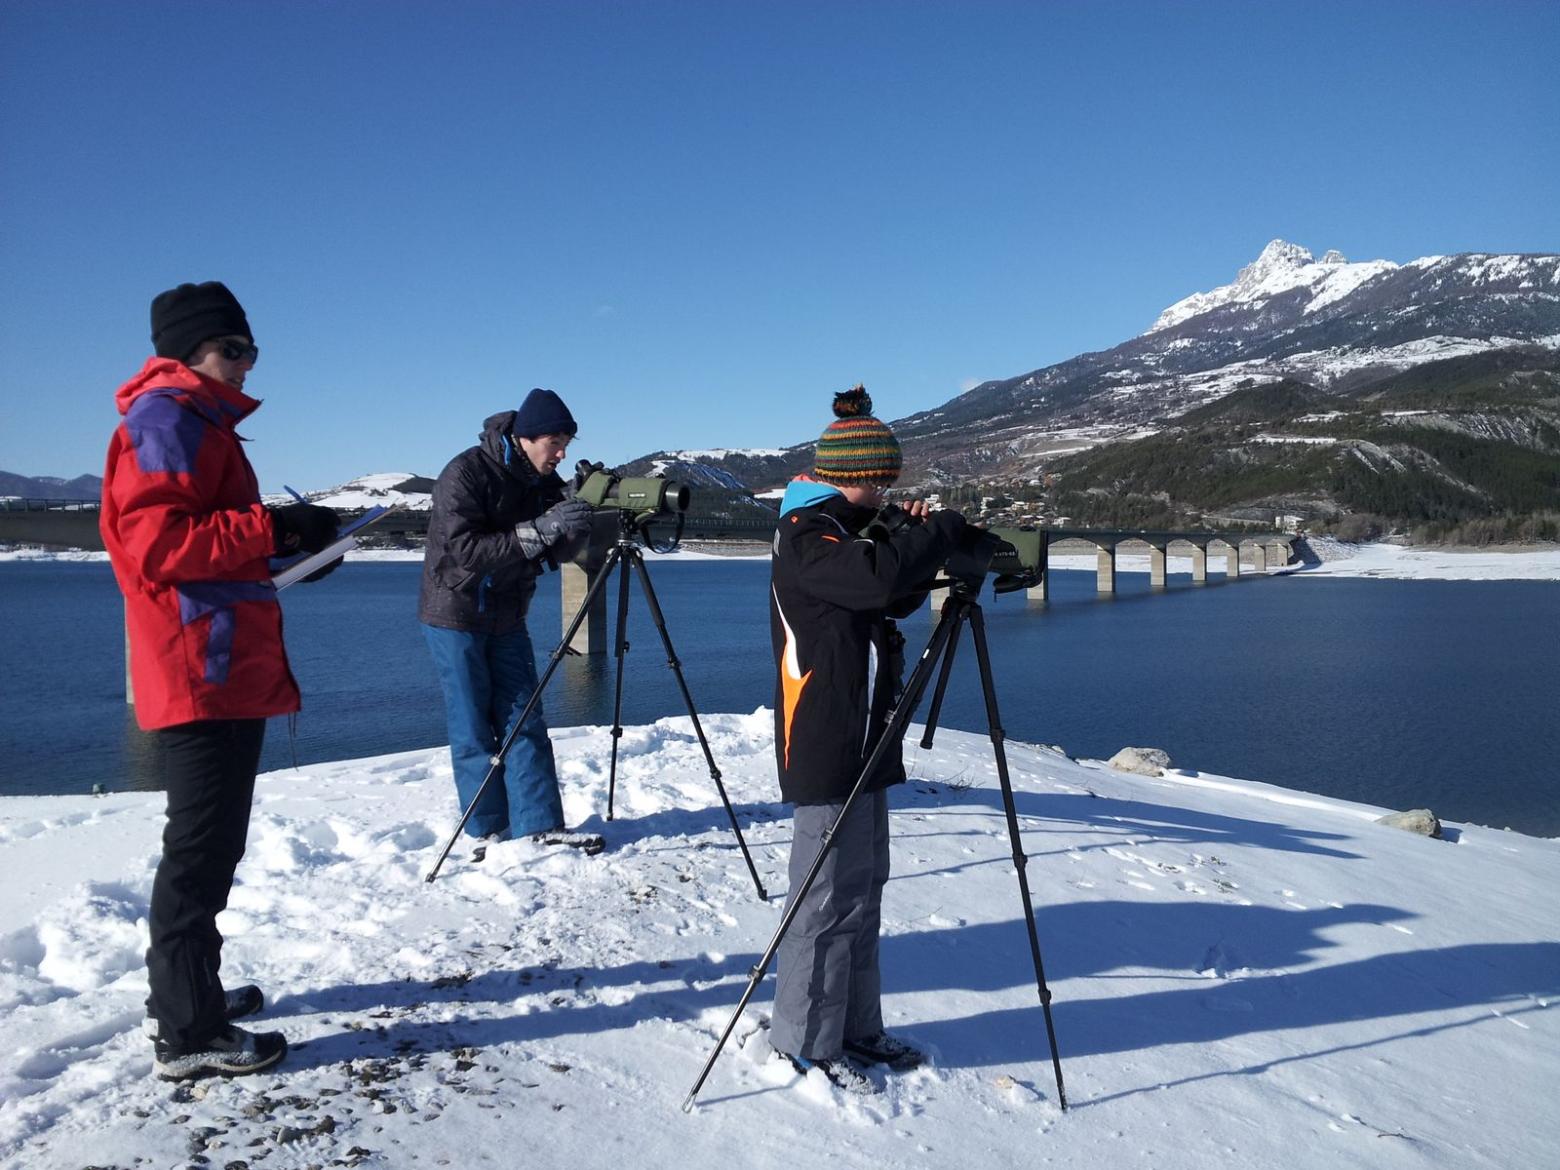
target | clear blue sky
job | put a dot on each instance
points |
(698, 221)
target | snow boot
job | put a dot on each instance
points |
(843, 1073)
(882, 1048)
(231, 1052)
(236, 1004)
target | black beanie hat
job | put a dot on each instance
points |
(542, 413)
(184, 317)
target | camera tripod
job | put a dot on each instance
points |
(961, 608)
(627, 551)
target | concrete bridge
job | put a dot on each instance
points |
(52, 523)
(74, 524)
(1267, 550)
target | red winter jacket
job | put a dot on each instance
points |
(189, 541)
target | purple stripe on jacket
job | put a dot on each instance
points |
(197, 599)
(165, 432)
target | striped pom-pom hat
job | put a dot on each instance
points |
(857, 448)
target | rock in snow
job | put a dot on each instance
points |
(1415, 820)
(1141, 761)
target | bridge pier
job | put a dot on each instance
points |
(1232, 562)
(1105, 570)
(1199, 564)
(575, 582)
(1041, 589)
(1279, 553)
(1259, 558)
(575, 579)
(129, 685)
(1156, 566)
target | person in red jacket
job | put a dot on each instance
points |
(190, 544)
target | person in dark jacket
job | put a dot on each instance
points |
(837, 583)
(500, 513)
(190, 543)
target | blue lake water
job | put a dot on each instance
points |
(1398, 693)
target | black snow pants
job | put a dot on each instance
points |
(208, 768)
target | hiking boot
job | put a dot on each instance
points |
(236, 1004)
(231, 1052)
(841, 1072)
(479, 852)
(881, 1048)
(591, 843)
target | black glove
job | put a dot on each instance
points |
(323, 571)
(566, 521)
(302, 528)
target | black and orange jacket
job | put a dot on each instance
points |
(832, 592)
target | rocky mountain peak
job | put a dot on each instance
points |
(1278, 256)
(1281, 268)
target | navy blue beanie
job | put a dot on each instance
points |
(542, 413)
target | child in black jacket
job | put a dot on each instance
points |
(837, 583)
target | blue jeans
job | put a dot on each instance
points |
(487, 680)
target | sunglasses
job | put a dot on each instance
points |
(239, 351)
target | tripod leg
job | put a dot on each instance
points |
(1020, 862)
(617, 695)
(891, 736)
(935, 711)
(640, 567)
(497, 762)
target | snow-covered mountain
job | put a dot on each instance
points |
(1281, 267)
(1424, 393)
(1329, 323)
(390, 489)
(49, 487)
(1335, 326)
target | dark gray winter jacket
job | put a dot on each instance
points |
(475, 575)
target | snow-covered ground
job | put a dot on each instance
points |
(1434, 564)
(1244, 976)
(1383, 561)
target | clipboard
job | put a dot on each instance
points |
(302, 565)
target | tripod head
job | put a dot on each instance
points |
(635, 530)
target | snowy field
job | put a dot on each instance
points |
(1381, 561)
(1244, 976)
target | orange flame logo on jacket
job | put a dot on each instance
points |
(792, 680)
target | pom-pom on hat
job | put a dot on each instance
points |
(184, 317)
(857, 448)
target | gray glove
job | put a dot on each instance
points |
(566, 521)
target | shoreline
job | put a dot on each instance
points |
(1378, 561)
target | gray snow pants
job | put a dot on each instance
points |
(828, 986)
